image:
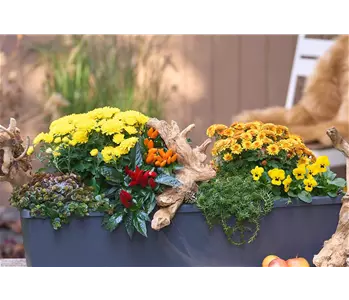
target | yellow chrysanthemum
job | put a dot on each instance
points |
(267, 141)
(269, 126)
(56, 153)
(128, 144)
(261, 135)
(252, 126)
(130, 129)
(38, 139)
(273, 149)
(213, 129)
(281, 130)
(80, 136)
(236, 149)
(238, 126)
(65, 140)
(296, 138)
(47, 138)
(61, 127)
(107, 154)
(284, 145)
(253, 132)
(247, 145)
(103, 113)
(257, 144)
(227, 157)
(94, 152)
(112, 126)
(118, 138)
(228, 132)
(57, 140)
(30, 150)
(246, 136)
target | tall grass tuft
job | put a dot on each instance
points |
(92, 71)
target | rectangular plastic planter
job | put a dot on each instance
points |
(288, 231)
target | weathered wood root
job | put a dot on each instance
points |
(194, 170)
(15, 164)
(335, 252)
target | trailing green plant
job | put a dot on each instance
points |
(98, 71)
(235, 195)
(58, 197)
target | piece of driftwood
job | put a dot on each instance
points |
(335, 252)
(15, 164)
(194, 170)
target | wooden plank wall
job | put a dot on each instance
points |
(220, 75)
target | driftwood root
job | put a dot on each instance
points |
(194, 170)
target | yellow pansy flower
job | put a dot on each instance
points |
(323, 162)
(313, 169)
(257, 172)
(277, 176)
(299, 172)
(309, 183)
(287, 183)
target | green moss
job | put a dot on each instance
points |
(238, 196)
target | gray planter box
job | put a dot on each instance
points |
(290, 230)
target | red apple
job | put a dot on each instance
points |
(297, 262)
(267, 260)
(278, 262)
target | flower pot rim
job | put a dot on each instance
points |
(192, 208)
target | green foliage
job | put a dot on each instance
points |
(235, 195)
(58, 197)
(97, 71)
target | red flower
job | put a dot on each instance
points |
(127, 170)
(126, 198)
(152, 183)
(152, 174)
(140, 177)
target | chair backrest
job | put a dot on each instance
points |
(308, 50)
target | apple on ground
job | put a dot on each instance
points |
(267, 260)
(297, 262)
(278, 262)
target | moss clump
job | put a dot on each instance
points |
(58, 197)
(237, 196)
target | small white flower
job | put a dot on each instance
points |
(48, 150)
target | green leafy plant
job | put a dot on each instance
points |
(235, 195)
(58, 197)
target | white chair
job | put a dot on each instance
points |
(308, 50)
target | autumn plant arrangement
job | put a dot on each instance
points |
(256, 165)
(105, 160)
